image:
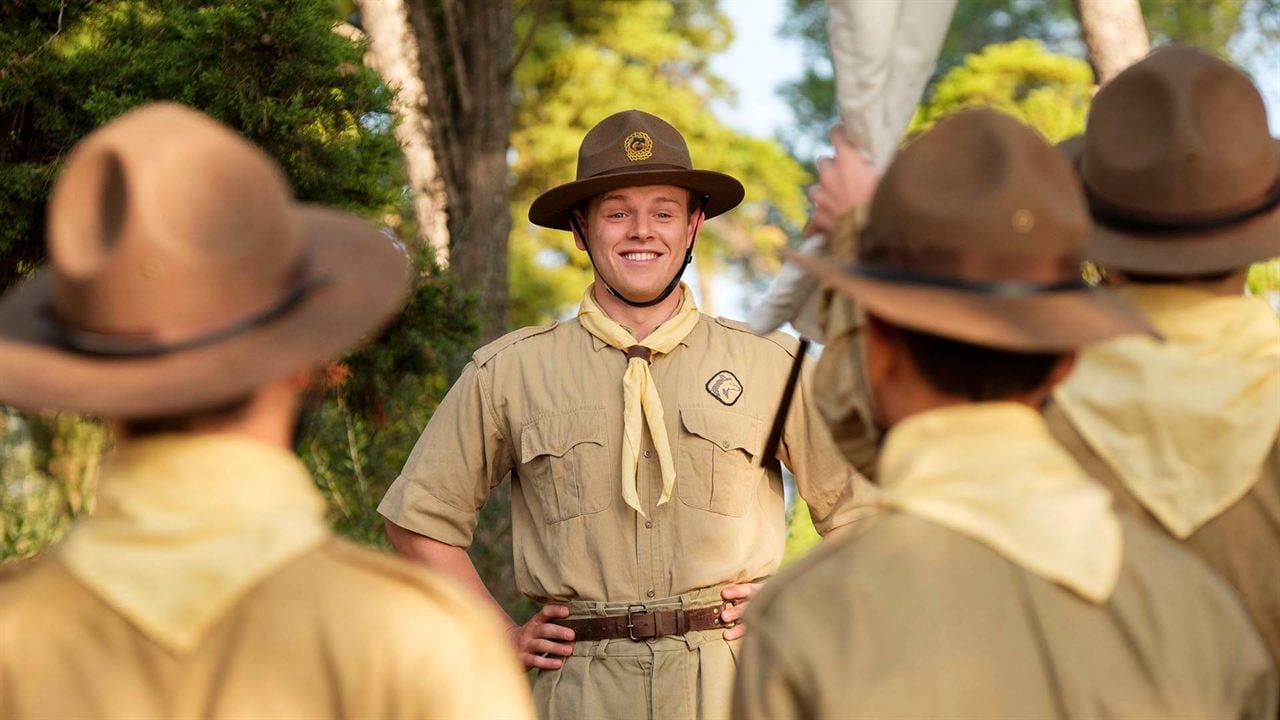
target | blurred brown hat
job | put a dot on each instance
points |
(629, 149)
(977, 233)
(183, 275)
(1180, 169)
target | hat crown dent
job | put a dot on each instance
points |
(1180, 134)
(980, 197)
(165, 221)
(603, 148)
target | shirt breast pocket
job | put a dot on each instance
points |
(565, 457)
(716, 469)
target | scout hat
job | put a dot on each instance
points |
(1181, 172)
(183, 275)
(628, 149)
(977, 233)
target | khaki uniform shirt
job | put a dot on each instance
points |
(331, 630)
(544, 405)
(1242, 543)
(911, 618)
(1213, 345)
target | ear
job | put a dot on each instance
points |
(884, 355)
(1060, 371)
(695, 224)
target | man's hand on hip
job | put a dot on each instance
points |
(540, 644)
(739, 596)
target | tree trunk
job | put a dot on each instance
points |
(393, 53)
(465, 53)
(1115, 34)
(466, 59)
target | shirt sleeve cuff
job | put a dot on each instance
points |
(413, 508)
(849, 508)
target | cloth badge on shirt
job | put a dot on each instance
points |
(725, 387)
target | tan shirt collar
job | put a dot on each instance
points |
(992, 471)
(186, 525)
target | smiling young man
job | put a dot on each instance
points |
(643, 509)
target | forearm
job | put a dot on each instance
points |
(446, 559)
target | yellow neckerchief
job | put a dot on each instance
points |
(639, 394)
(993, 472)
(187, 524)
(1186, 424)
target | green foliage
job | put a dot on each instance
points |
(48, 475)
(381, 397)
(1047, 91)
(1206, 24)
(802, 536)
(272, 70)
(1264, 280)
(590, 59)
(275, 71)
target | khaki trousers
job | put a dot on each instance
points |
(687, 676)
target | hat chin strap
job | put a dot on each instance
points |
(666, 292)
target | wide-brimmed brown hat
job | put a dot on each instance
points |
(628, 149)
(1180, 169)
(183, 275)
(977, 233)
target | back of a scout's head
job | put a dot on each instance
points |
(186, 289)
(636, 205)
(1181, 173)
(969, 271)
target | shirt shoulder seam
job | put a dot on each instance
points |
(785, 342)
(493, 349)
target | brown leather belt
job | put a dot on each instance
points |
(642, 624)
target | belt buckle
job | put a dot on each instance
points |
(631, 625)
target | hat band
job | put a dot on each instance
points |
(88, 342)
(998, 288)
(1118, 218)
(636, 169)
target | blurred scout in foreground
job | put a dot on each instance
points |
(188, 299)
(999, 582)
(644, 498)
(1183, 179)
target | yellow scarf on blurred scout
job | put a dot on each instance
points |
(993, 472)
(641, 404)
(186, 525)
(1186, 424)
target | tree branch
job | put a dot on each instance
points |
(539, 13)
(432, 68)
(459, 62)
